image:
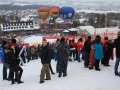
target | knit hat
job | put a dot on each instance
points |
(118, 33)
(10, 44)
(4, 42)
(89, 37)
(62, 39)
(110, 40)
(14, 41)
(106, 38)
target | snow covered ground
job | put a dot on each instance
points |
(79, 78)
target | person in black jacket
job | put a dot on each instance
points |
(17, 51)
(117, 46)
(87, 48)
(11, 60)
(63, 54)
(45, 55)
(108, 51)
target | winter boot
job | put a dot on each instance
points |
(19, 80)
(12, 81)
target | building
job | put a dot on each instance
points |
(15, 26)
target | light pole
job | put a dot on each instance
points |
(105, 20)
(95, 21)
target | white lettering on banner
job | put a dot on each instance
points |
(69, 14)
(65, 16)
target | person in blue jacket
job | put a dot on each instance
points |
(5, 64)
(98, 53)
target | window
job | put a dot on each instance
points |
(8, 27)
(26, 27)
(3, 28)
(11, 27)
(31, 26)
(22, 27)
(14, 27)
(19, 27)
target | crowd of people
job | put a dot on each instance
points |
(9, 34)
(92, 51)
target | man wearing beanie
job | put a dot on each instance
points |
(117, 46)
(87, 48)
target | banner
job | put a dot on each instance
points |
(52, 39)
(109, 34)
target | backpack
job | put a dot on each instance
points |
(7, 57)
(62, 49)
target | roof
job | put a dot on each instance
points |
(89, 29)
(66, 31)
(72, 29)
(25, 19)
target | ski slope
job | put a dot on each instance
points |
(79, 78)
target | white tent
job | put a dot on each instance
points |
(87, 29)
(73, 29)
(66, 31)
(91, 29)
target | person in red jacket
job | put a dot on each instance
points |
(79, 48)
(103, 44)
(104, 41)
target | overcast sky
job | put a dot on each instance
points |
(68, 0)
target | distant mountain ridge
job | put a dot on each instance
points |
(11, 4)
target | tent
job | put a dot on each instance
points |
(73, 29)
(66, 31)
(86, 29)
